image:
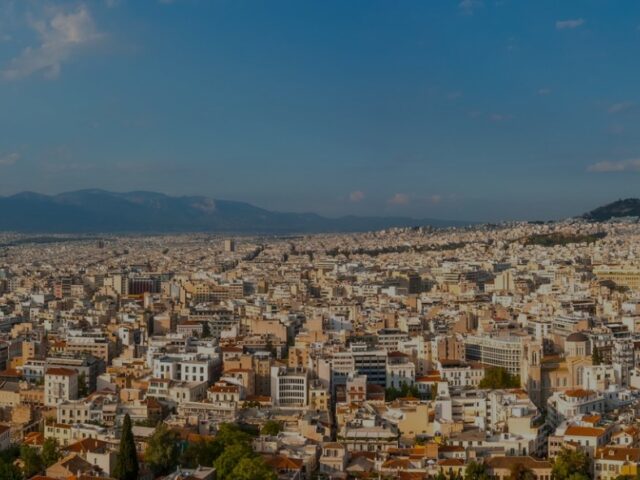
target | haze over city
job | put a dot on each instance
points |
(473, 110)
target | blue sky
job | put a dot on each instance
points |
(476, 110)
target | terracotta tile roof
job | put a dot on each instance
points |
(508, 462)
(619, 454)
(593, 419)
(87, 445)
(575, 430)
(399, 463)
(578, 393)
(33, 438)
(280, 462)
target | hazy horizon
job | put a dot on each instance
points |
(471, 110)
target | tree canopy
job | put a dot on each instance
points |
(476, 471)
(571, 465)
(252, 469)
(126, 467)
(596, 358)
(271, 427)
(32, 461)
(393, 393)
(50, 452)
(162, 451)
(499, 377)
(520, 472)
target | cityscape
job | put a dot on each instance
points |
(401, 353)
(319, 240)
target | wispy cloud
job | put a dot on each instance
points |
(619, 107)
(500, 117)
(631, 165)
(544, 91)
(9, 159)
(469, 6)
(399, 199)
(356, 196)
(569, 23)
(62, 35)
(68, 167)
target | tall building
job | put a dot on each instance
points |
(60, 384)
(495, 351)
(289, 386)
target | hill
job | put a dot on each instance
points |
(629, 207)
(87, 211)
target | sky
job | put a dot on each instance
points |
(481, 110)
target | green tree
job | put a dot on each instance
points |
(83, 389)
(8, 471)
(32, 461)
(476, 471)
(582, 476)
(434, 391)
(201, 452)
(520, 472)
(391, 393)
(162, 452)
(569, 463)
(126, 467)
(231, 457)
(271, 427)
(440, 476)
(252, 469)
(499, 377)
(206, 330)
(230, 433)
(9, 455)
(50, 452)
(596, 358)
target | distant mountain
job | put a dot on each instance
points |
(92, 211)
(629, 207)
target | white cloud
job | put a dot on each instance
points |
(631, 165)
(569, 24)
(399, 199)
(356, 196)
(544, 91)
(9, 159)
(469, 6)
(61, 35)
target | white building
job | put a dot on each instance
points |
(289, 386)
(60, 384)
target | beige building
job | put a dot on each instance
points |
(500, 467)
(613, 462)
(625, 276)
(60, 384)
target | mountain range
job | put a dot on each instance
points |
(100, 211)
